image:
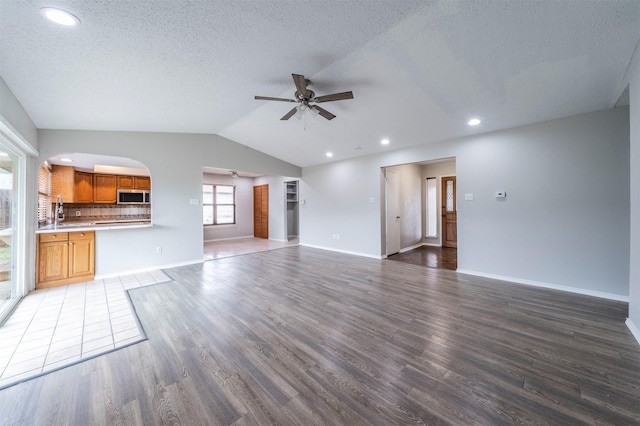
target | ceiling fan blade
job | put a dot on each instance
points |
(289, 114)
(301, 85)
(323, 112)
(334, 97)
(267, 98)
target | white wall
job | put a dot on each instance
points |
(437, 170)
(565, 222)
(175, 162)
(634, 253)
(244, 208)
(13, 115)
(337, 201)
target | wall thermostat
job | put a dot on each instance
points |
(501, 194)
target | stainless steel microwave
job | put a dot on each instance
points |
(133, 196)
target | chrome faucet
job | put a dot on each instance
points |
(59, 211)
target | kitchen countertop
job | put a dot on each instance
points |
(100, 225)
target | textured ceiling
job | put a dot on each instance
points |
(418, 69)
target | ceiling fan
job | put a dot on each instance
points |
(307, 99)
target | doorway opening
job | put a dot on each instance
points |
(259, 225)
(419, 223)
(292, 212)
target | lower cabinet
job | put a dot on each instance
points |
(65, 258)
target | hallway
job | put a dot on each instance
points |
(431, 256)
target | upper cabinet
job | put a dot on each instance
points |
(83, 187)
(78, 187)
(134, 182)
(104, 189)
(89, 179)
(73, 186)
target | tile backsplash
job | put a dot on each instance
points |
(91, 212)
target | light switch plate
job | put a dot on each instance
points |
(195, 201)
(468, 197)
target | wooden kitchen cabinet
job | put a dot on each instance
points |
(83, 187)
(134, 182)
(62, 180)
(104, 189)
(81, 254)
(142, 182)
(65, 258)
(74, 186)
(53, 258)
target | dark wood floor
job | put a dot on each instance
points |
(431, 256)
(305, 336)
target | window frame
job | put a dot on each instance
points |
(215, 204)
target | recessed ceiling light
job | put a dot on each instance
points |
(329, 154)
(60, 16)
(474, 122)
(4, 154)
(384, 141)
(66, 160)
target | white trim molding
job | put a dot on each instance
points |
(153, 268)
(415, 246)
(371, 256)
(576, 290)
(228, 239)
(18, 140)
(634, 330)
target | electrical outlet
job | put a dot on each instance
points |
(78, 213)
(159, 249)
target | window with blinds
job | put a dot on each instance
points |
(44, 193)
(218, 204)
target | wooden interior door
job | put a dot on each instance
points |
(261, 211)
(449, 212)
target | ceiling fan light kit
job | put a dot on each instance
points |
(307, 100)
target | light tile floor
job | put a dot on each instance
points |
(236, 247)
(59, 326)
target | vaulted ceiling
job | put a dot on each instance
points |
(419, 70)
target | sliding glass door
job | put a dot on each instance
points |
(8, 255)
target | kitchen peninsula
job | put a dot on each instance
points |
(77, 205)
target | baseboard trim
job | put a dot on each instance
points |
(227, 239)
(415, 246)
(599, 294)
(151, 268)
(355, 253)
(634, 330)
